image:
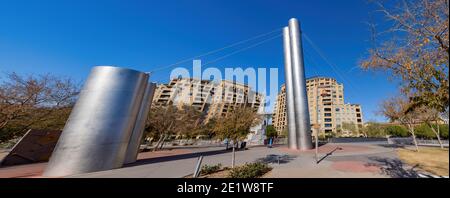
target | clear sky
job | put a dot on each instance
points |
(69, 37)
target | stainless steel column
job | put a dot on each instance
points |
(292, 139)
(303, 127)
(99, 128)
(136, 137)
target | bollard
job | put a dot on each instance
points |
(198, 167)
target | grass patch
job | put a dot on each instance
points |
(430, 159)
(251, 170)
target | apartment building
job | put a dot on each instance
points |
(327, 109)
(211, 98)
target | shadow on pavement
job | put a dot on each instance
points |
(394, 167)
(276, 159)
(392, 145)
(328, 154)
(178, 157)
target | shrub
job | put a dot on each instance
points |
(424, 131)
(9, 144)
(397, 131)
(444, 130)
(250, 170)
(374, 130)
(206, 169)
(271, 132)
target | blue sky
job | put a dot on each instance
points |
(69, 37)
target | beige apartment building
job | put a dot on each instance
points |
(327, 109)
(211, 98)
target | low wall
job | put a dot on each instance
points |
(356, 140)
(35, 146)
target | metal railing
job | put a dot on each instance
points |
(409, 141)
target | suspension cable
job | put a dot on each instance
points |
(333, 66)
(311, 62)
(241, 50)
(216, 50)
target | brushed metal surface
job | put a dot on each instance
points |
(138, 130)
(303, 133)
(292, 140)
(99, 128)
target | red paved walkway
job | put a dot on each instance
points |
(355, 166)
(327, 148)
(36, 170)
(28, 170)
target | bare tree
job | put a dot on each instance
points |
(34, 101)
(397, 110)
(171, 120)
(414, 48)
(428, 116)
(236, 125)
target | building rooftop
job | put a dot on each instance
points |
(316, 77)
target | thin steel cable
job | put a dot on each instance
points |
(241, 50)
(312, 64)
(333, 66)
(216, 50)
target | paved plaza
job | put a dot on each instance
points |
(354, 160)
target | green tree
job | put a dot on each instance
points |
(424, 131)
(396, 131)
(373, 129)
(444, 130)
(206, 128)
(349, 127)
(271, 132)
(236, 125)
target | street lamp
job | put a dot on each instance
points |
(316, 125)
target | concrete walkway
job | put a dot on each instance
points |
(349, 160)
(352, 160)
(182, 165)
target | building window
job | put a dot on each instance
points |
(328, 125)
(327, 114)
(328, 119)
